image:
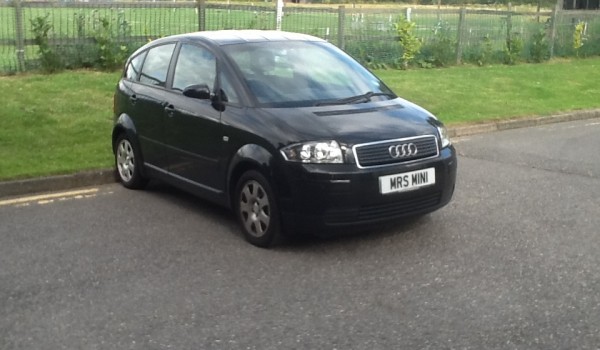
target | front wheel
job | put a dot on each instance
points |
(127, 163)
(256, 209)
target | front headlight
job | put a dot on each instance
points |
(444, 136)
(314, 152)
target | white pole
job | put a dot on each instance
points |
(279, 13)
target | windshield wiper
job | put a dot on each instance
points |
(366, 97)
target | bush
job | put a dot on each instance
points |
(49, 59)
(538, 50)
(482, 53)
(111, 53)
(441, 51)
(579, 36)
(375, 54)
(102, 49)
(410, 44)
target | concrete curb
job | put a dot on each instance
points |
(106, 176)
(522, 123)
(56, 183)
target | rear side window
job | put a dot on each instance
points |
(156, 65)
(134, 67)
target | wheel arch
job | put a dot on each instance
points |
(249, 157)
(124, 125)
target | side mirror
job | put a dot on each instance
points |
(199, 91)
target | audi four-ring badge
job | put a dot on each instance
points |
(403, 150)
(285, 129)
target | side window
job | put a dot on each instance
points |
(156, 66)
(134, 67)
(195, 65)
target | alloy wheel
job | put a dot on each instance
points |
(255, 208)
(125, 160)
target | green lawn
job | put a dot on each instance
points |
(474, 94)
(57, 124)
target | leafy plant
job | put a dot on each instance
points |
(259, 21)
(579, 36)
(487, 52)
(539, 47)
(513, 44)
(80, 24)
(111, 53)
(79, 52)
(410, 44)
(375, 54)
(49, 59)
(441, 51)
(513, 49)
(482, 53)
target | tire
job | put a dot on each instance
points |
(127, 164)
(256, 209)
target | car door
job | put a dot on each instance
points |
(148, 99)
(193, 128)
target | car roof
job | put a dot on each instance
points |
(227, 37)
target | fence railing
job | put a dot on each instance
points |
(449, 36)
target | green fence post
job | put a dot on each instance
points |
(342, 27)
(554, 19)
(509, 27)
(20, 36)
(201, 11)
(460, 34)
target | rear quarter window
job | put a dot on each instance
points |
(135, 66)
(156, 65)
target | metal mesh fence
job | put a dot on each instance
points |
(321, 22)
(77, 30)
(566, 29)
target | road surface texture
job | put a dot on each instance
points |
(512, 263)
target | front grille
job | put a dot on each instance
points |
(378, 153)
(385, 211)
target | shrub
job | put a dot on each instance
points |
(482, 53)
(111, 52)
(513, 48)
(410, 44)
(579, 36)
(441, 51)
(49, 59)
(538, 50)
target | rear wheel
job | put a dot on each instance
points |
(127, 163)
(256, 209)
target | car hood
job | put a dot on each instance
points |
(350, 124)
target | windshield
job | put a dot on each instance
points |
(303, 73)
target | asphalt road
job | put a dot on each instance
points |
(512, 263)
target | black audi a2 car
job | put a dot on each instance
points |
(285, 129)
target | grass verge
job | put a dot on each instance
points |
(460, 95)
(57, 124)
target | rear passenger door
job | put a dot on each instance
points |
(148, 104)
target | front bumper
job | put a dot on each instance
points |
(319, 198)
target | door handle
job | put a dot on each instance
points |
(133, 99)
(170, 110)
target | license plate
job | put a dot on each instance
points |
(406, 181)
